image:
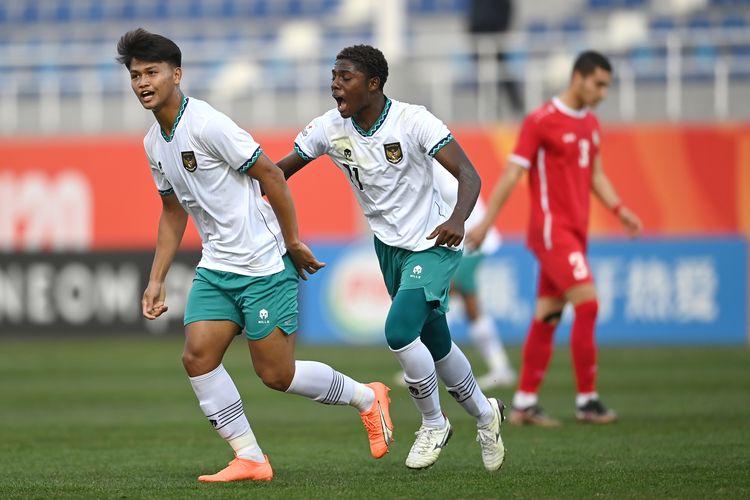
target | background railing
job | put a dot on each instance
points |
(268, 63)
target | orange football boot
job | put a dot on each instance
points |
(241, 469)
(377, 421)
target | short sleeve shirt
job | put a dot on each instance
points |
(558, 145)
(389, 168)
(204, 163)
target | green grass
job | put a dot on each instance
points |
(117, 419)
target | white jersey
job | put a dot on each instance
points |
(389, 168)
(204, 163)
(448, 186)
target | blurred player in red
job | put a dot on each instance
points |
(559, 146)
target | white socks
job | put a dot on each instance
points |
(523, 400)
(486, 338)
(420, 378)
(322, 383)
(455, 372)
(221, 403)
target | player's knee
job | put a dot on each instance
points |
(399, 333)
(552, 318)
(197, 363)
(275, 377)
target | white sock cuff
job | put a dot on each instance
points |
(524, 399)
(216, 371)
(584, 397)
(444, 359)
(408, 347)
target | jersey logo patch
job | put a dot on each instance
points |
(189, 161)
(393, 152)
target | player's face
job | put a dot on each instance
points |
(593, 88)
(349, 88)
(153, 82)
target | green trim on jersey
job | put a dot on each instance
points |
(169, 137)
(249, 163)
(166, 192)
(376, 126)
(301, 153)
(440, 145)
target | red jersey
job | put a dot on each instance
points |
(558, 145)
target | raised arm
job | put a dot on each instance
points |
(500, 193)
(171, 229)
(605, 191)
(453, 158)
(272, 182)
(291, 164)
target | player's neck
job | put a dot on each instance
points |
(367, 116)
(167, 113)
(571, 100)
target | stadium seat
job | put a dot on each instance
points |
(734, 22)
(573, 26)
(603, 4)
(662, 25)
(699, 22)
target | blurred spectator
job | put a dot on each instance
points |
(494, 17)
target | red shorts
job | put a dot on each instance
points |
(562, 268)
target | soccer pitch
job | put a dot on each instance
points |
(117, 419)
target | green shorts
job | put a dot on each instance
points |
(430, 269)
(256, 303)
(465, 279)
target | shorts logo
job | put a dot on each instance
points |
(263, 315)
(189, 161)
(393, 152)
(416, 272)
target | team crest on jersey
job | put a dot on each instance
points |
(393, 152)
(189, 161)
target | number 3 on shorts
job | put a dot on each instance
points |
(578, 262)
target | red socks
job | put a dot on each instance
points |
(582, 346)
(537, 351)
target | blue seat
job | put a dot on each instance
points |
(700, 22)
(572, 26)
(636, 4)
(603, 4)
(537, 28)
(63, 12)
(662, 25)
(732, 22)
(30, 12)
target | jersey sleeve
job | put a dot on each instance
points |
(431, 133)
(162, 184)
(528, 143)
(227, 141)
(311, 142)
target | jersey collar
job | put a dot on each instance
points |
(567, 110)
(378, 123)
(169, 137)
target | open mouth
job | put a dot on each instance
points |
(147, 95)
(340, 103)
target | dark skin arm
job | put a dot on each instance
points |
(455, 161)
(291, 164)
(274, 186)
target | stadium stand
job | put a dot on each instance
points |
(677, 45)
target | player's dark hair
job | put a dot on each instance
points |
(146, 46)
(368, 60)
(587, 62)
